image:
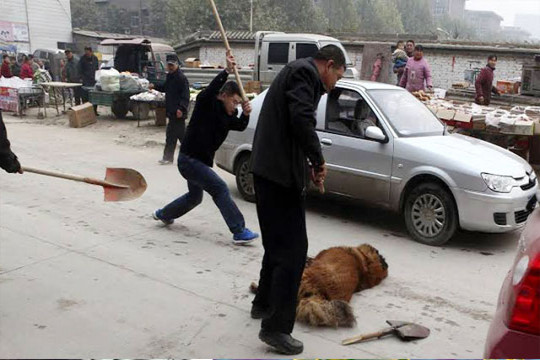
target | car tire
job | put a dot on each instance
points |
(430, 214)
(244, 179)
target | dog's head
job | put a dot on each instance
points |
(376, 267)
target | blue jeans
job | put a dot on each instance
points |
(201, 177)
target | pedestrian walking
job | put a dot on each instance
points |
(286, 151)
(5, 70)
(417, 72)
(214, 115)
(484, 82)
(8, 160)
(88, 65)
(72, 75)
(176, 89)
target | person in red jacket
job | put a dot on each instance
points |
(484, 82)
(5, 71)
(26, 69)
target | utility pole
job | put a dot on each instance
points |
(251, 16)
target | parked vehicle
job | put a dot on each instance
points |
(515, 329)
(274, 50)
(51, 60)
(385, 147)
(138, 56)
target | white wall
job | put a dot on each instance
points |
(49, 20)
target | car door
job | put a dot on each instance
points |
(357, 166)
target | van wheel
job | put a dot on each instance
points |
(430, 214)
(244, 179)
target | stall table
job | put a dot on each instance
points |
(59, 89)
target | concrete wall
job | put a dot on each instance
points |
(49, 21)
(441, 59)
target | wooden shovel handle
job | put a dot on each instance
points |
(73, 177)
(363, 337)
(228, 48)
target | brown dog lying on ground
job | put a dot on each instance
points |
(331, 278)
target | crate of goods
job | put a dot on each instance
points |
(193, 62)
(463, 119)
(82, 115)
(9, 99)
(508, 87)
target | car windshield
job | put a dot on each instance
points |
(406, 114)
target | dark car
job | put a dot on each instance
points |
(515, 329)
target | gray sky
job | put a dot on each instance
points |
(506, 8)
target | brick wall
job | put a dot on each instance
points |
(443, 73)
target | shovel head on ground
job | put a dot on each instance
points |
(133, 181)
(405, 330)
(409, 331)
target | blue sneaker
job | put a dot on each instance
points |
(244, 237)
(156, 217)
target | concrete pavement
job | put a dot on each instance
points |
(81, 278)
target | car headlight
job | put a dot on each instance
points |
(498, 183)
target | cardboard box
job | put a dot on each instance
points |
(161, 117)
(508, 87)
(463, 117)
(446, 114)
(82, 115)
(192, 62)
(253, 87)
(523, 127)
(537, 127)
(479, 125)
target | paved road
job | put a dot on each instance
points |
(81, 278)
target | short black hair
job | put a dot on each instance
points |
(419, 48)
(400, 42)
(25, 58)
(411, 41)
(332, 52)
(30, 56)
(231, 88)
(4, 56)
(492, 57)
(88, 48)
(67, 51)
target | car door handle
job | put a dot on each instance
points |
(326, 142)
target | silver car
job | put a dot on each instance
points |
(384, 146)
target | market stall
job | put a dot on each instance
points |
(57, 91)
(17, 95)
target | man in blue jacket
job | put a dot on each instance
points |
(215, 114)
(176, 89)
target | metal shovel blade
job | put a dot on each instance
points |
(134, 184)
(409, 331)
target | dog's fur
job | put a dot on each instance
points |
(331, 278)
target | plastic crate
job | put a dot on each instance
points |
(101, 97)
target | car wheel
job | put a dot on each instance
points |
(430, 214)
(244, 179)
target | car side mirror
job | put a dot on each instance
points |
(375, 133)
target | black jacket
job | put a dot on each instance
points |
(285, 137)
(87, 69)
(210, 124)
(8, 160)
(176, 89)
(72, 71)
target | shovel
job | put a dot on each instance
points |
(405, 330)
(119, 184)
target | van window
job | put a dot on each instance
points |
(306, 50)
(278, 53)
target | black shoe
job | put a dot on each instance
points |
(282, 343)
(259, 312)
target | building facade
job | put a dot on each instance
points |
(452, 8)
(486, 24)
(28, 25)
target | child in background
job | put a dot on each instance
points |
(399, 59)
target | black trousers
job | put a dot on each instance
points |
(85, 95)
(282, 219)
(175, 132)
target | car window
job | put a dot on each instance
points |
(306, 50)
(278, 53)
(347, 113)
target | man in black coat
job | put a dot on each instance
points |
(8, 160)
(286, 153)
(214, 115)
(176, 89)
(88, 65)
(72, 75)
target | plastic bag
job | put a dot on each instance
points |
(129, 83)
(110, 80)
